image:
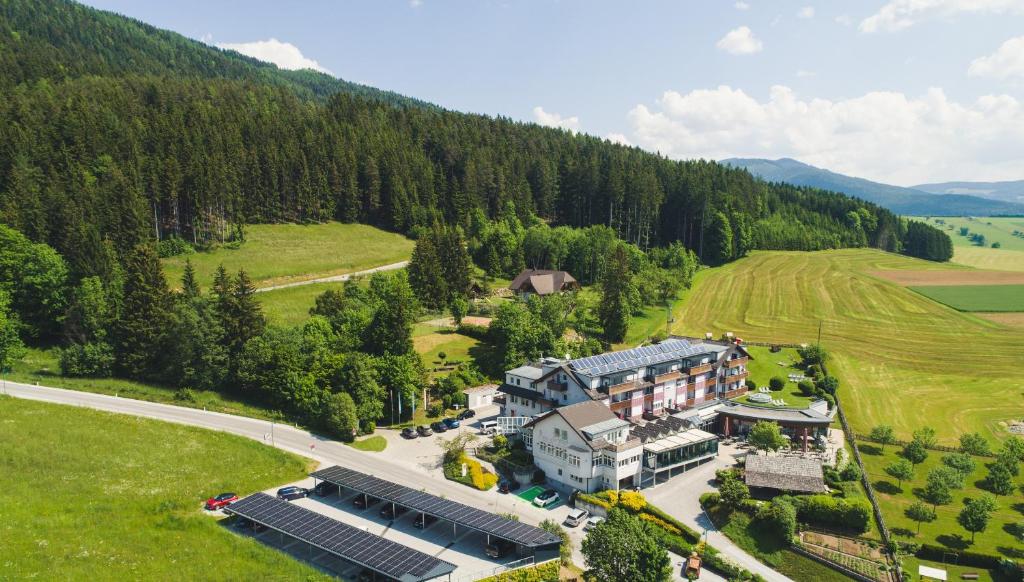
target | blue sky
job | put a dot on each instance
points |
(903, 91)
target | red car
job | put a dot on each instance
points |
(221, 501)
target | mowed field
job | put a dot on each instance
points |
(902, 358)
(1010, 255)
(90, 495)
(995, 298)
(273, 254)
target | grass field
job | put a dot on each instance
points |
(456, 348)
(902, 359)
(290, 306)
(1009, 257)
(945, 531)
(995, 298)
(89, 495)
(283, 253)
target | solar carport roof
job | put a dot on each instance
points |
(353, 544)
(462, 515)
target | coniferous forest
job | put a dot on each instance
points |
(115, 135)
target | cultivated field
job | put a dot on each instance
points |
(903, 359)
(1010, 255)
(89, 495)
(1008, 298)
(283, 253)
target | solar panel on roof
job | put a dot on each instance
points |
(454, 511)
(364, 548)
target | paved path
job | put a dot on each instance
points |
(423, 468)
(680, 497)
(336, 278)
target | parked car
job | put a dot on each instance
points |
(439, 426)
(467, 413)
(546, 498)
(364, 501)
(423, 520)
(499, 548)
(576, 517)
(289, 493)
(592, 522)
(388, 511)
(424, 430)
(324, 488)
(409, 433)
(488, 427)
(508, 485)
(221, 501)
(451, 423)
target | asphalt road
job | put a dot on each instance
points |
(400, 469)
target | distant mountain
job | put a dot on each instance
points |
(1005, 191)
(906, 201)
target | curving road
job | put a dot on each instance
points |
(402, 468)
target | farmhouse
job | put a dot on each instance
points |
(542, 282)
(778, 473)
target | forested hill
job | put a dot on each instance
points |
(113, 133)
(57, 40)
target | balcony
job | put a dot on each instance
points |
(559, 385)
(735, 377)
(667, 377)
(699, 369)
(623, 387)
(735, 363)
(619, 406)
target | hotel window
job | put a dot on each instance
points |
(574, 460)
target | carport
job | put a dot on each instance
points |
(384, 557)
(533, 540)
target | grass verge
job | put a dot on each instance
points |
(372, 444)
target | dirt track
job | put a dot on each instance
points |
(925, 278)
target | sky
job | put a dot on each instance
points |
(899, 91)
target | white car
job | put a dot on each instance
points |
(576, 517)
(592, 522)
(547, 498)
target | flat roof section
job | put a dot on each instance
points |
(781, 415)
(682, 439)
(458, 513)
(350, 543)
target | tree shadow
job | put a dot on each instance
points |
(954, 541)
(1012, 553)
(1018, 507)
(886, 487)
(866, 449)
(903, 532)
(918, 492)
(487, 359)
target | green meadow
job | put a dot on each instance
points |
(995, 298)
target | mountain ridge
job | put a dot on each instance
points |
(1006, 191)
(899, 199)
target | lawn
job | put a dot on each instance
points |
(284, 253)
(456, 348)
(1008, 298)
(42, 367)
(290, 306)
(945, 531)
(903, 359)
(90, 495)
(372, 444)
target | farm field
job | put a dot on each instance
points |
(101, 496)
(997, 540)
(283, 253)
(1010, 255)
(901, 357)
(994, 298)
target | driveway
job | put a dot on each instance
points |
(336, 278)
(680, 497)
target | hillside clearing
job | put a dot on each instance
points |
(274, 254)
(1008, 298)
(101, 496)
(902, 358)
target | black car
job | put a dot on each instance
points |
(409, 433)
(508, 485)
(289, 493)
(364, 501)
(439, 426)
(467, 413)
(323, 489)
(423, 520)
(424, 430)
(499, 548)
(391, 511)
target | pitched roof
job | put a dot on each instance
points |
(785, 473)
(541, 281)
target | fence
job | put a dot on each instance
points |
(835, 566)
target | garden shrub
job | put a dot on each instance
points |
(833, 511)
(710, 499)
(776, 383)
(632, 500)
(660, 523)
(806, 387)
(779, 517)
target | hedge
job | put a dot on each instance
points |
(475, 477)
(630, 500)
(477, 332)
(935, 553)
(833, 511)
(547, 572)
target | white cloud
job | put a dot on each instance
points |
(900, 14)
(618, 138)
(740, 41)
(283, 54)
(742, 6)
(555, 120)
(1006, 62)
(844, 19)
(415, 3)
(805, 12)
(884, 136)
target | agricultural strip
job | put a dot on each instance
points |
(1006, 298)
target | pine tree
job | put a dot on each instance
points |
(718, 240)
(456, 264)
(616, 289)
(426, 274)
(141, 331)
(246, 319)
(189, 284)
